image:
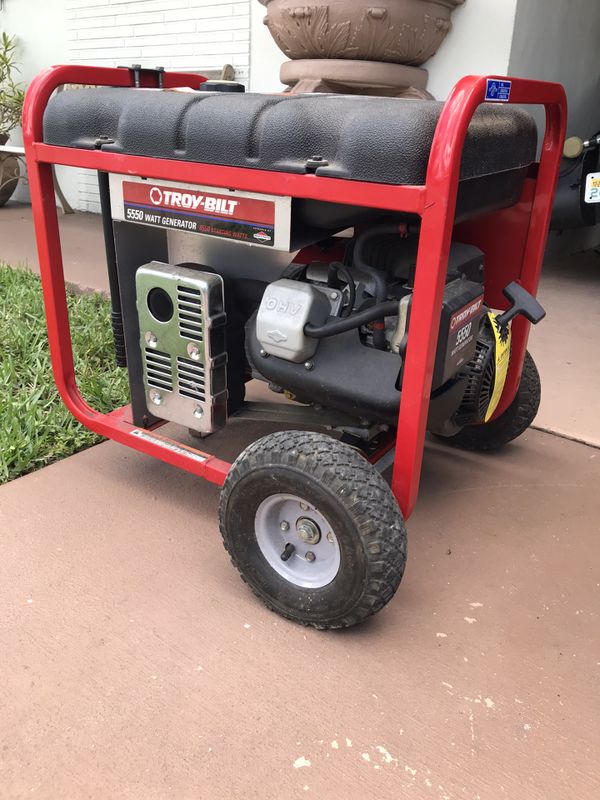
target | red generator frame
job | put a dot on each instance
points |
(512, 239)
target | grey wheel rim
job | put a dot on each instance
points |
(297, 541)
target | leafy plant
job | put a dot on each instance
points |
(11, 92)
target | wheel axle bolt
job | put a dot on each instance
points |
(308, 531)
(310, 556)
(285, 525)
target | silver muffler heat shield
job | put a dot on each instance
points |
(182, 341)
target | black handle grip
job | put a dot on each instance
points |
(522, 303)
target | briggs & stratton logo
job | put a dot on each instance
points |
(262, 236)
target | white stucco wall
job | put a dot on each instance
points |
(479, 43)
(265, 56)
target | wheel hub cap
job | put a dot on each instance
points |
(308, 531)
(297, 541)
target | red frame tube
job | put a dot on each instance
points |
(435, 203)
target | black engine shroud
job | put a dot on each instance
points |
(364, 382)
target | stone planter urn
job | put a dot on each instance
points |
(9, 172)
(396, 35)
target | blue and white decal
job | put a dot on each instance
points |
(498, 91)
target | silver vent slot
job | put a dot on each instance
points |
(189, 312)
(159, 371)
(190, 379)
(182, 343)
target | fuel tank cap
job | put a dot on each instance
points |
(221, 86)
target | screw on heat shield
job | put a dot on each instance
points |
(150, 339)
(193, 351)
(156, 397)
(198, 412)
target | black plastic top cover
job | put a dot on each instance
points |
(377, 139)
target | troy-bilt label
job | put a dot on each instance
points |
(466, 313)
(463, 329)
(243, 219)
(498, 91)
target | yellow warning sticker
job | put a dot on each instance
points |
(503, 339)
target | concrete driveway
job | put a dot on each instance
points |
(136, 664)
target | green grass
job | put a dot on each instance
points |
(35, 426)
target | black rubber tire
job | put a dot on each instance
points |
(515, 420)
(353, 497)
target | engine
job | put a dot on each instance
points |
(313, 298)
(336, 333)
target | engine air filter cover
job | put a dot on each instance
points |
(182, 341)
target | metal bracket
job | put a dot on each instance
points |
(136, 71)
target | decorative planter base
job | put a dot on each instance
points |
(344, 76)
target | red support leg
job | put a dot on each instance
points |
(430, 281)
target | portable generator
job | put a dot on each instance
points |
(374, 261)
